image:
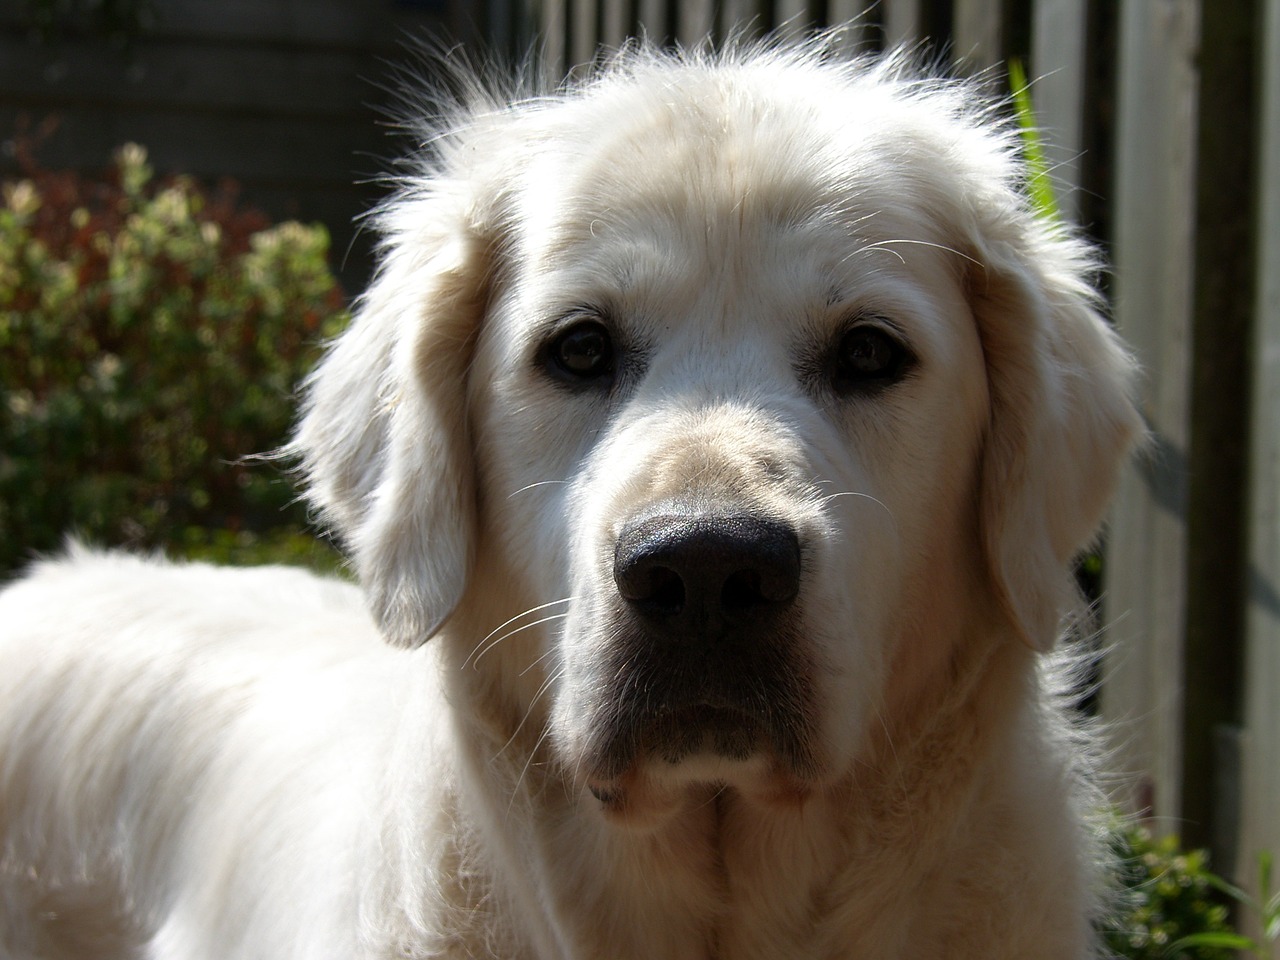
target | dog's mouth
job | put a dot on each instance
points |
(674, 734)
(675, 721)
(640, 773)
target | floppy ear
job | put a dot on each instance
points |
(1062, 420)
(383, 440)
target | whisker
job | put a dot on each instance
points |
(535, 662)
(863, 496)
(504, 625)
(546, 684)
(530, 486)
(525, 770)
(542, 737)
(478, 652)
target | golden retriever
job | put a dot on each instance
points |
(711, 448)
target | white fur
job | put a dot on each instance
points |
(201, 764)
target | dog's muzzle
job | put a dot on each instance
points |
(705, 654)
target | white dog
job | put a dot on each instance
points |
(711, 448)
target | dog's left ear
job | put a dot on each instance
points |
(383, 440)
(1062, 417)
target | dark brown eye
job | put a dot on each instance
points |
(581, 354)
(867, 358)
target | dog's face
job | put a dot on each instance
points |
(770, 384)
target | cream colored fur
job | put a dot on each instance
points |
(202, 764)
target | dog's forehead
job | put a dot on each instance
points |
(716, 172)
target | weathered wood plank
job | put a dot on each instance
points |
(193, 75)
(854, 17)
(696, 20)
(902, 23)
(1261, 801)
(743, 17)
(978, 33)
(1057, 68)
(1216, 510)
(1145, 588)
(584, 31)
(552, 26)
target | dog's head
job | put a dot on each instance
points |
(755, 386)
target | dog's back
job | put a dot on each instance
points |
(173, 731)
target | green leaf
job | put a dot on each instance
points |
(1039, 185)
(1224, 941)
(1230, 889)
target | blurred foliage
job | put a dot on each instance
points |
(151, 335)
(1168, 896)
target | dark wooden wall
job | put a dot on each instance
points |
(282, 96)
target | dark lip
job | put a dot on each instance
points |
(676, 732)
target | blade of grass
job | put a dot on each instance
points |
(1222, 941)
(1039, 185)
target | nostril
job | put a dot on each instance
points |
(666, 593)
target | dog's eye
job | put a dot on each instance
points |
(868, 357)
(581, 354)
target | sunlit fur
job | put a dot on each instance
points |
(202, 764)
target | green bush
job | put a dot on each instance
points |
(151, 336)
(1167, 894)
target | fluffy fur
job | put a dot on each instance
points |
(205, 764)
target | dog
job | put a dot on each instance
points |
(711, 449)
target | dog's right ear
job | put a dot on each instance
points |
(383, 441)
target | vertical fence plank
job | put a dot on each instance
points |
(854, 17)
(696, 20)
(743, 17)
(1146, 561)
(1057, 67)
(652, 17)
(1223, 306)
(1261, 813)
(584, 31)
(978, 34)
(791, 17)
(615, 23)
(551, 37)
(902, 22)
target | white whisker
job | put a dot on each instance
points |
(507, 623)
(546, 684)
(536, 660)
(480, 652)
(862, 496)
(530, 486)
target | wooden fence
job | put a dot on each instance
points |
(1166, 120)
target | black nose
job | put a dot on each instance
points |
(707, 576)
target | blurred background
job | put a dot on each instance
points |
(178, 233)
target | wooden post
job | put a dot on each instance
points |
(978, 33)
(1145, 585)
(1261, 762)
(1223, 304)
(902, 22)
(551, 36)
(696, 20)
(1058, 78)
(584, 32)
